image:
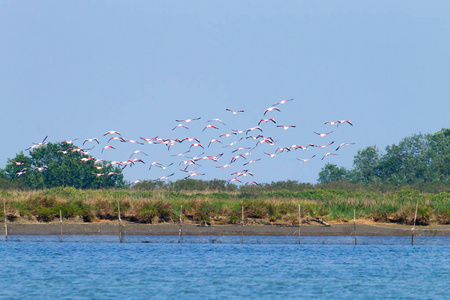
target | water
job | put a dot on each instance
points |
(98, 267)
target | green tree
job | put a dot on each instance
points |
(366, 166)
(53, 165)
(331, 172)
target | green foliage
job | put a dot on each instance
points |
(62, 170)
(331, 172)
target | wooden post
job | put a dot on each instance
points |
(6, 219)
(354, 225)
(120, 222)
(415, 217)
(61, 225)
(299, 223)
(179, 229)
(242, 235)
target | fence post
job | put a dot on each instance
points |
(120, 222)
(6, 220)
(242, 235)
(354, 225)
(179, 228)
(415, 217)
(61, 224)
(299, 223)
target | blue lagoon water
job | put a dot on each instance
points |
(98, 267)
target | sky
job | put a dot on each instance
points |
(77, 69)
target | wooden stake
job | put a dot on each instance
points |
(242, 242)
(354, 225)
(120, 222)
(179, 229)
(6, 219)
(415, 217)
(61, 225)
(299, 223)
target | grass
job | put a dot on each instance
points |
(158, 206)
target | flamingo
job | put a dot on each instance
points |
(164, 177)
(136, 181)
(111, 173)
(193, 174)
(164, 168)
(332, 123)
(240, 149)
(234, 158)
(217, 120)
(324, 146)
(209, 126)
(344, 144)
(253, 128)
(344, 121)
(196, 145)
(252, 161)
(40, 169)
(227, 134)
(38, 144)
(271, 155)
(112, 132)
(252, 183)
(283, 102)
(191, 140)
(107, 147)
(18, 163)
(232, 143)
(181, 154)
(234, 179)
(149, 141)
(329, 153)
(306, 159)
(224, 166)
(69, 142)
(213, 141)
(98, 174)
(234, 112)
(286, 127)
(116, 138)
(180, 125)
(20, 173)
(267, 120)
(271, 108)
(138, 151)
(188, 120)
(153, 164)
(323, 134)
(91, 140)
(133, 142)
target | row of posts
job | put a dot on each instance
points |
(180, 222)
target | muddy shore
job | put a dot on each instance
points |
(112, 228)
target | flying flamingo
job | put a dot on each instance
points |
(180, 125)
(283, 102)
(98, 174)
(210, 126)
(91, 140)
(251, 162)
(270, 109)
(133, 142)
(188, 120)
(196, 145)
(153, 164)
(324, 146)
(329, 153)
(344, 121)
(267, 120)
(271, 155)
(253, 128)
(107, 147)
(217, 120)
(227, 134)
(344, 144)
(234, 112)
(111, 173)
(252, 183)
(306, 159)
(164, 177)
(213, 141)
(40, 169)
(136, 181)
(116, 138)
(286, 127)
(37, 144)
(138, 151)
(323, 134)
(164, 168)
(18, 163)
(332, 123)
(112, 132)
(69, 142)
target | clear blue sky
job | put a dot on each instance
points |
(76, 69)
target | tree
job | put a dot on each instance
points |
(53, 165)
(365, 166)
(331, 172)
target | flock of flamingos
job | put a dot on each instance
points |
(189, 164)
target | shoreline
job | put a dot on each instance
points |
(112, 228)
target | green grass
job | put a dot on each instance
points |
(157, 206)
